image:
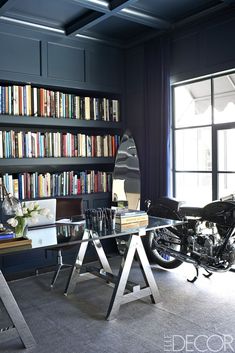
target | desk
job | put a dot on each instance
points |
(67, 235)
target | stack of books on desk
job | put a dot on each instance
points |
(6, 234)
(130, 219)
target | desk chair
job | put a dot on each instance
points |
(65, 208)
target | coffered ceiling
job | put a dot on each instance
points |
(118, 22)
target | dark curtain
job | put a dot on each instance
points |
(157, 118)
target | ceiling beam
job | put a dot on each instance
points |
(96, 5)
(6, 5)
(143, 18)
(93, 18)
(203, 13)
(102, 39)
(119, 8)
(118, 5)
(84, 22)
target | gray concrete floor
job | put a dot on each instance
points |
(197, 317)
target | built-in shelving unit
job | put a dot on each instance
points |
(21, 99)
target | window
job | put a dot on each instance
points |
(204, 139)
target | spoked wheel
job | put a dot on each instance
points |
(160, 257)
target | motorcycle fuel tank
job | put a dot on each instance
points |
(220, 212)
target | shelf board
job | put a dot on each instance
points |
(8, 120)
(93, 195)
(55, 161)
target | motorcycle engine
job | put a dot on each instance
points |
(206, 243)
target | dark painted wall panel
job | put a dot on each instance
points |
(45, 58)
(105, 66)
(101, 203)
(66, 62)
(185, 50)
(220, 43)
(135, 112)
(204, 48)
(19, 54)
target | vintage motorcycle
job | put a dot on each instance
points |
(206, 239)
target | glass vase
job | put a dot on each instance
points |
(22, 228)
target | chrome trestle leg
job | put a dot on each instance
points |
(76, 270)
(15, 315)
(124, 290)
(119, 297)
(101, 254)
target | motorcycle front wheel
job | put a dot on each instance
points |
(160, 257)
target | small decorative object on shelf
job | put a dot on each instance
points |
(19, 221)
(10, 204)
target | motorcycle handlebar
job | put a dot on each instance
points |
(230, 197)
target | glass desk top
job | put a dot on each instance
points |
(63, 235)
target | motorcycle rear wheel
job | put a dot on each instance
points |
(159, 257)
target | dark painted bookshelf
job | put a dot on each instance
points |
(70, 124)
(32, 121)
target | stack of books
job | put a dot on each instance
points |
(128, 219)
(6, 233)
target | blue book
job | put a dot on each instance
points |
(4, 236)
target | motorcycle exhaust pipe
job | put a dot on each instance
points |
(188, 259)
(177, 255)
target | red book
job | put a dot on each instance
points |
(96, 182)
(79, 186)
(71, 183)
(64, 141)
(28, 185)
(72, 146)
(113, 146)
(41, 101)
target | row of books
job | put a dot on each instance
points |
(21, 144)
(37, 185)
(34, 101)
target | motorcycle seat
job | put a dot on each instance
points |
(170, 202)
(192, 211)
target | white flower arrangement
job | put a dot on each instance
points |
(22, 215)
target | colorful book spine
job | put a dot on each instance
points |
(4, 236)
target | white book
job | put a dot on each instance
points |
(10, 184)
(9, 100)
(106, 150)
(15, 100)
(1, 145)
(35, 102)
(107, 110)
(29, 136)
(87, 108)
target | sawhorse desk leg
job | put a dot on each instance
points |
(119, 297)
(15, 315)
(76, 270)
(121, 282)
